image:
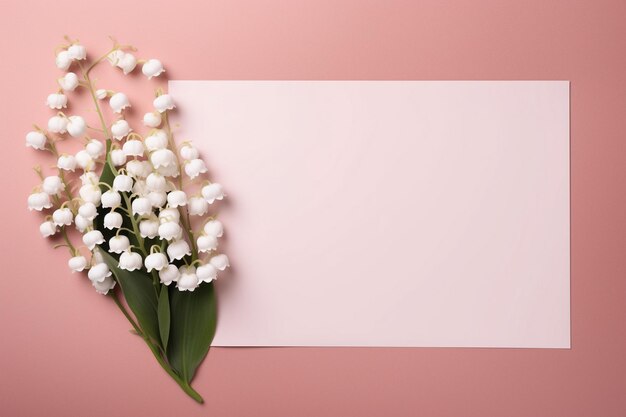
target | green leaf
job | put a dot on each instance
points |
(140, 296)
(164, 316)
(194, 317)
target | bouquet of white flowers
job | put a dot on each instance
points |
(130, 196)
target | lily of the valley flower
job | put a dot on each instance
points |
(214, 228)
(119, 102)
(163, 103)
(152, 119)
(57, 101)
(93, 238)
(47, 228)
(152, 68)
(88, 211)
(66, 162)
(36, 140)
(113, 220)
(62, 216)
(157, 140)
(63, 60)
(206, 273)
(77, 52)
(178, 250)
(39, 201)
(197, 206)
(120, 128)
(94, 148)
(57, 124)
(130, 261)
(119, 244)
(110, 199)
(52, 185)
(122, 183)
(76, 126)
(220, 262)
(103, 287)
(169, 231)
(155, 261)
(149, 227)
(68, 82)
(98, 272)
(188, 152)
(188, 280)
(169, 274)
(206, 243)
(133, 147)
(77, 263)
(195, 167)
(118, 157)
(177, 198)
(213, 192)
(101, 94)
(163, 158)
(141, 206)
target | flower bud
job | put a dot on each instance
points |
(47, 228)
(66, 162)
(177, 198)
(36, 140)
(206, 243)
(127, 63)
(63, 60)
(195, 167)
(77, 52)
(156, 261)
(163, 158)
(98, 272)
(178, 250)
(57, 124)
(141, 206)
(189, 152)
(52, 185)
(103, 287)
(113, 220)
(152, 68)
(69, 82)
(214, 228)
(163, 102)
(169, 274)
(197, 206)
(220, 262)
(152, 119)
(130, 261)
(101, 94)
(133, 147)
(206, 273)
(149, 228)
(62, 217)
(110, 199)
(157, 140)
(169, 231)
(118, 157)
(93, 238)
(119, 244)
(119, 102)
(122, 183)
(39, 201)
(94, 148)
(57, 101)
(120, 128)
(213, 192)
(76, 126)
(77, 263)
(188, 280)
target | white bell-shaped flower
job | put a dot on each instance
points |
(101, 94)
(88, 211)
(56, 101)
(118, 157)
(77, 263)
(119, 102)
(120, 128)
(156, 261)
(206, 273)
(141, 206)
(163, 158)
(140, 188)
(119, 244)
(138, 169)
(113, 220)
(206, 243)
(94, 148)
(178, 250)
(157, 140)
(197, 206)
(57, 124)
(89, 177)
(170, 230)
(36, 140)
(213, 192)
(127, 63)
(149, 228)
(77, 52)
(82, 223)
(163, 102)
(188, 280)
(123, 183)
(130, 261)
(98, 272)
(93, 238)
(188, 152)
(66, 162)
(169, 215)
(110, 199)
(156, 182)
(103, 287)
(39, 201)
(90, 193)
(177, 198)
(115, 56)
(68, 82)
(195, 167)
(214, 228)
(62, 217)
(52, 185)
(84, 160)
(133, 147)
(76, 126)
(47, 228)
(169, 274)
(152, 68)
(157, 198)
(220, 262)
(169, 171)
(152, 119)
(63, 60)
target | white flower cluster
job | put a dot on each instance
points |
(147, 188)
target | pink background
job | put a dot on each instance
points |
(65, 351)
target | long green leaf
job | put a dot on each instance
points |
(140, 295)
(164, 316)
(194, 317)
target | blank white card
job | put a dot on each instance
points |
(388, 213)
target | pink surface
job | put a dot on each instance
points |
(65, 351)
(389, 213)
